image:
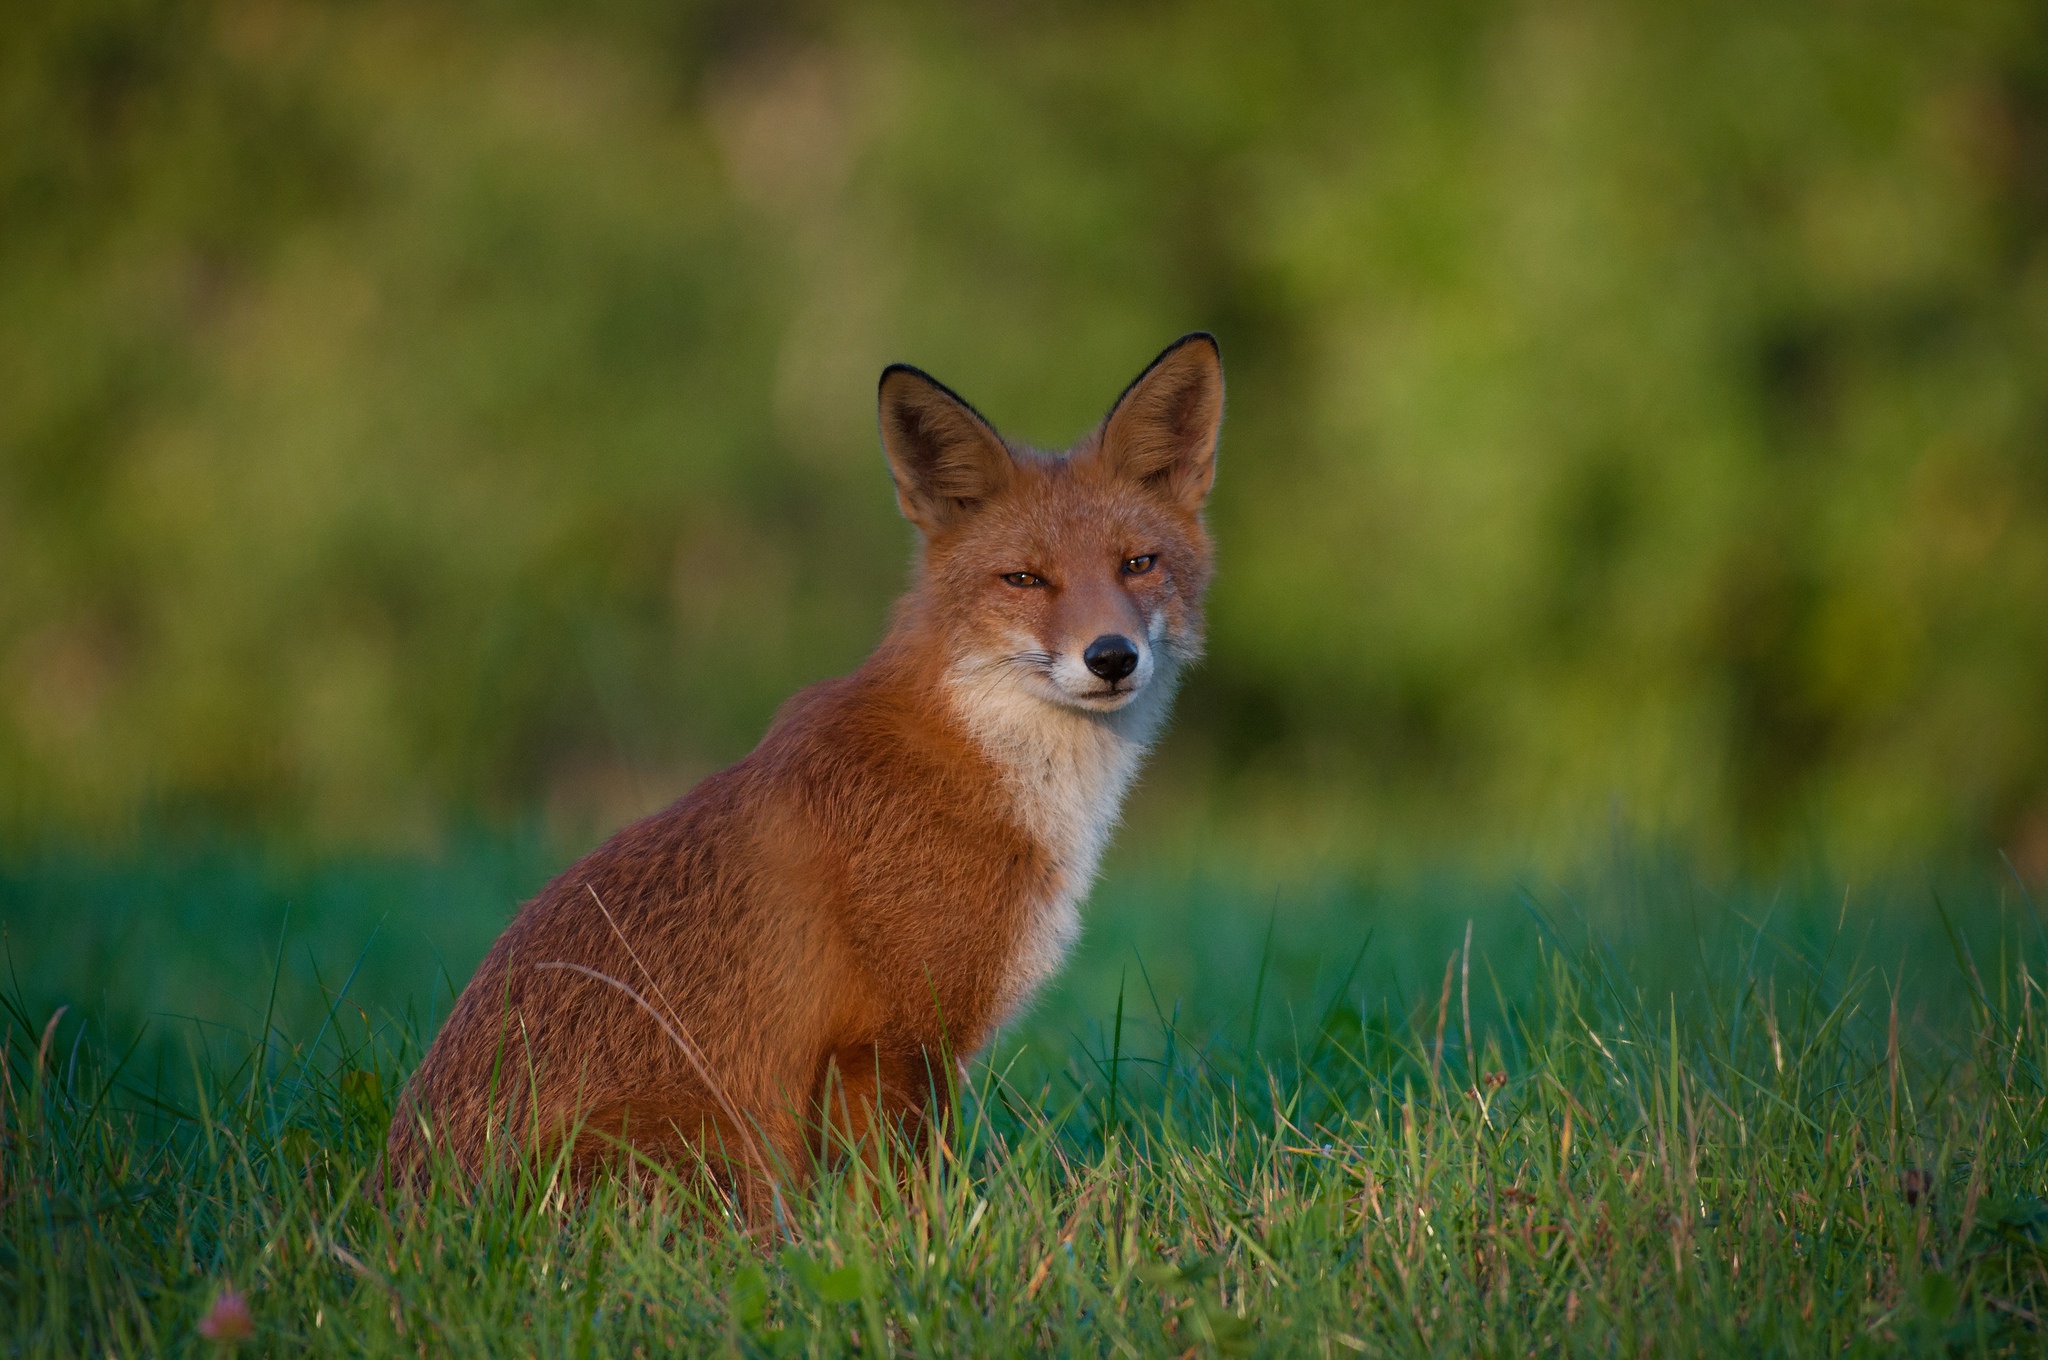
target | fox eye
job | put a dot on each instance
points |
(1138, 566)
(1022, 579)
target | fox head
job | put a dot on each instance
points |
(1075, 578)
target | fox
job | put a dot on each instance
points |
(807, 947)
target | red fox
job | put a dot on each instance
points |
(796, 951)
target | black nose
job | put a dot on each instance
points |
(1111, 656)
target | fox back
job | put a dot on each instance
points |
(802, 947)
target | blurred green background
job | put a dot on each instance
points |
(417, 416)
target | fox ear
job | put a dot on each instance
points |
(1162, 431)
(945, 458)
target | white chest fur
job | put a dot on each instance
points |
(1066, 772)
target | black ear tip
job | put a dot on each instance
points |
(905, 371)
(908, 378)
(1196, 338)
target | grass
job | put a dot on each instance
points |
(1636, 1117)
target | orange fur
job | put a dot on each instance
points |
(803, 944)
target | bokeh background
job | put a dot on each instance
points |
(423, 416)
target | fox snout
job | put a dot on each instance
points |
(1100, 635)
(1105, 673)
(1111, 656)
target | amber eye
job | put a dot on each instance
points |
(1022, 579)
(1138, 566)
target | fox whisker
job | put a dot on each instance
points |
(988, 673)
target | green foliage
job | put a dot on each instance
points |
(1747, 1134)
(412, 410)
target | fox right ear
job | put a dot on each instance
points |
(946, 460)
(1162, 432)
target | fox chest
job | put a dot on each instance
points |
(1063, 778)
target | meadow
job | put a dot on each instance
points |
(424, 416)
(1638, 1112)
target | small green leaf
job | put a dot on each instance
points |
(835, 1286)
(1938, 1296)
(750, 1297)
(841, 1286)
(1231, 1333)
(803, 1268)
(1194, 1270)
(363, 1089)
(297, 1148)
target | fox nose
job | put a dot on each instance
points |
(1111, 656)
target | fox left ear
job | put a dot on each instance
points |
(946, 459)
(1162, 431)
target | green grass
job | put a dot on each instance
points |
(1637, 1115)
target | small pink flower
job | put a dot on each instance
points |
(228, 1321)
